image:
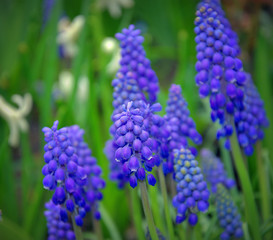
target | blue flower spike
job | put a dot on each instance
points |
(192, 193)
(136, 146)
(214, 171)
(57, 229)
(135, 84)
(228, 215)
(250, 122)
(71, 172)
(220, 74)
(178, 129)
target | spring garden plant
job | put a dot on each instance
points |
(153, 154)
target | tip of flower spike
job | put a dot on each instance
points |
(55, 125)
(175, 89)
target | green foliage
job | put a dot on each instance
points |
(29, 62)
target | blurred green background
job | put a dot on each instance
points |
(30, 62)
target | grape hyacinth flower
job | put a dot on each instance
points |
(91, 188)
(220, 71)
(179, 127)
(57, 229)
(252, 120)
(228, 215)
(214, 171)
(136, 147)
(71, 173)
(192, 193)
(134, 61)
(136, 85)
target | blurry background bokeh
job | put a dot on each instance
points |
(57, 61)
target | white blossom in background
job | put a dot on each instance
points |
(66, 84)
(114, 6)
(68, 34)
(15, 116)
(110, 46)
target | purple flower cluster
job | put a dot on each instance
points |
(135, 87)
(213, 170)
(57, 229)
(136, 145)
(251, 121)
(220, 71)
(179, 127)
(228, 215)
(94, 183)
(71, 172)
(192, 193)
(134, 61)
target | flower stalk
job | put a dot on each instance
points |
(252, 216)
(137, 218)
(147, 210)
(265, 201)
(97, 228)
(164, 193)
(76, 228)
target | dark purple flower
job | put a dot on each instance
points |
(135, 129)
(192, 193)
(71, 171)
(57, 229)
(213, 170)
(134, 62)
(251, 121)
(220, 72)
(139, 151)
(228, 215)
(178, 129)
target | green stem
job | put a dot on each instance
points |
(265, 202)
(163, 188)
(252, 216)
(76, 228)
(197, 231)
(97, 228)
(159, 221)
(147, 211)
(228, 166)
(136, 214)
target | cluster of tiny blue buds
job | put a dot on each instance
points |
(126, 90)
(220, 71)
(135, 83)
(71, 172)
(228, 215)
(137, 147)
(213, 170)
(180, 127)
(251, 121)
(192, 193)
(134, 61)
(57, 229)
(91, 188)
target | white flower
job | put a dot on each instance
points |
(69, 33)
(66, 84)
(114, 6)
(15, 117)
(110, 46)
